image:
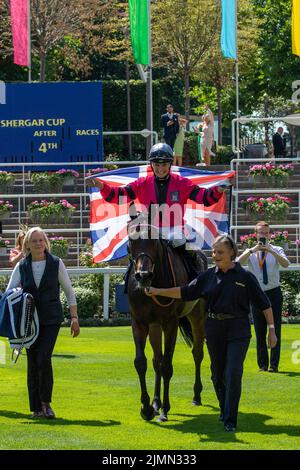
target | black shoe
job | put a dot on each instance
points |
(263, 369)
(273, 369)
(229, 428)
(47, 411)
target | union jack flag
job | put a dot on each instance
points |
(108, 221)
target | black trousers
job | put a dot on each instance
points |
(170, 140)
(227, 343)
(39, 371)
(260, 325)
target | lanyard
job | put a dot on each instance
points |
(260, 260)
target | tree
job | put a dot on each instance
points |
(277, 66)
(70, 31)
(182, 33)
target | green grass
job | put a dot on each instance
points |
(97, 400)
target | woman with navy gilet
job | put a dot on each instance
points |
(228, 290)
(41, 274)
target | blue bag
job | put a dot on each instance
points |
(19, 321)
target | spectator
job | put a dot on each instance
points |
(169, 123)
(179, 142)
(278, 143)
(228, 290)
(264, 261)
(16, 254)
(207, 136)
(41, 274)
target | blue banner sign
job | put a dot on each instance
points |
(51, 122)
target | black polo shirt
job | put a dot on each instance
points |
(230, 292)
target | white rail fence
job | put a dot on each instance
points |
(107, 272)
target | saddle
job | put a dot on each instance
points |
(195, 261)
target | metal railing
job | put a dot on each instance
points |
(82, 271)
(237, 164)
(107, 272)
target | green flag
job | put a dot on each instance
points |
(139, 27)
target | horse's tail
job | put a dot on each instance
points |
(186, 331)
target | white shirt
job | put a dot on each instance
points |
(38, 268)
(272, 267)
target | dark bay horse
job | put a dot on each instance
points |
(154, 263)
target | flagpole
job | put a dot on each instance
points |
(29, 42)
(149, 99)
(237, 83)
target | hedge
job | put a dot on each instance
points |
(88, 303)
(290, 282)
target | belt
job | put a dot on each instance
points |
(220, 316)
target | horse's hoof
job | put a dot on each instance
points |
(196, 403)
(162, 419)
(149, 415)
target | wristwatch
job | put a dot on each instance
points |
(251, 251)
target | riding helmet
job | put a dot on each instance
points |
(161, 153)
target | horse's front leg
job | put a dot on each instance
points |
(155, 337)
(140, 333)
(170, 335)
(197, 320)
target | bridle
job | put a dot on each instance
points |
(145, 255)
(154, 298)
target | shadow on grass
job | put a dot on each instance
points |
(289, 374)
(210, 429)
(64, 356)
(58, 421)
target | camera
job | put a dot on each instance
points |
(262, 240)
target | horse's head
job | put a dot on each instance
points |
(143, 246)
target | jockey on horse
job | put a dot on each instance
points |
(168, 193)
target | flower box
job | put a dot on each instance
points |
(50, 212)
(67, 176)
(68, 181)
(7, 180)
(3, 251)
(274, 208)
(273, 175)
(276, 238)
(4, 215)
(48, 182)
(3, 246)
(5, 209)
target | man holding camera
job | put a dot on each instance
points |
(264, 261)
